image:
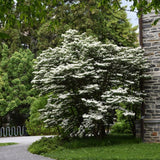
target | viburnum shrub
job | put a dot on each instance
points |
(87, 81)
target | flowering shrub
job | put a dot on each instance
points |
(90, 80)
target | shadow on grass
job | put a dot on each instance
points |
(85, 147)
(113, 139)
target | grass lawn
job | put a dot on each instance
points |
(110, 148)
(6, 144)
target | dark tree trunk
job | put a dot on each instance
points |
(102, 131)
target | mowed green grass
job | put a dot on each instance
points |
(109, 148)
(6, 144)
(116, 152)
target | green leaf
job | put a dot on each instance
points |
(4, 35)
(156, 21)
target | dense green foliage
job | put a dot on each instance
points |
(112, 147)
(146, 6)
(128, 151)
(90, 80)
(46, 145)
(125, 124)
(34, 125)
(105, 22)
(121, 125)
(15, 83)
(32, 11)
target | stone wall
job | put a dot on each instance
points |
(151, 44)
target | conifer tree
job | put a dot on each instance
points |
(15, 82)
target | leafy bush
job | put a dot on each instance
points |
(46, 145)
(121, 127)
(112, 147)
(35, 125)
(91, 80)
(40, 129)
(43, 146)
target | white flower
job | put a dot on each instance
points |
(128, 113)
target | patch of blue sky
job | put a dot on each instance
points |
(132, 16)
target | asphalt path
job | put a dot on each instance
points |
(19, 151)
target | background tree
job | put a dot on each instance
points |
(38, 33)
(106, 22)
(36, 9)
(16, 89)
(90, 80)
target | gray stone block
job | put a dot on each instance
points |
(151, 42)
(158, 106)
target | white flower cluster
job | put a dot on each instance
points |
(87, 81)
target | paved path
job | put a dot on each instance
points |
(19, 151)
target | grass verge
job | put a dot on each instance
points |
(6, 144)
(113, 147)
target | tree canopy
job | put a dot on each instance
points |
(15, 77)
(31, 10)
(107, 23)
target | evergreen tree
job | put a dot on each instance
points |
(90, 80)
(15, 89)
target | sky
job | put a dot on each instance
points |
(131, 15)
